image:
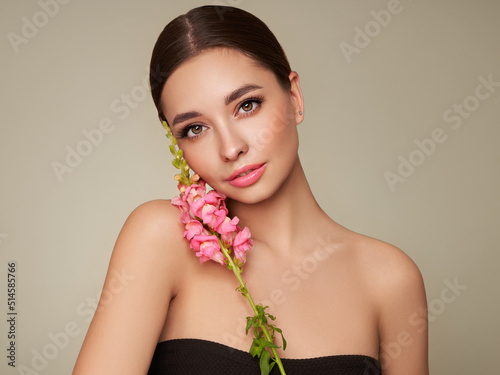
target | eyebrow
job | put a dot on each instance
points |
(181, 117)
(239, 92)
(236, 94)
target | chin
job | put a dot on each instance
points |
(252, 196)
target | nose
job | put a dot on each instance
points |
(232, 143)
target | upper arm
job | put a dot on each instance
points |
(140, 282)
(402, 310)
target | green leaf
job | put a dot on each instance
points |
(269, 344)
(259, 341)
(243, 290)
(255, 350)
(249, 325)
(175, 163)
(283, 339)
(264, 363)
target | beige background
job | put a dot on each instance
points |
(74, 70)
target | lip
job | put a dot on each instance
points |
(255, 172)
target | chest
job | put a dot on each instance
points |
(322, 308)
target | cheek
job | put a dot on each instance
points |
(196, 162)
(200, 157)
(278, 129)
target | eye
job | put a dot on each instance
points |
(250, 105)
(196, 129)
(247, 106)
(191, 131)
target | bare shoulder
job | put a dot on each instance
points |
(151, 240)
(151, 233)
(153, 226)
(157, 217)
(144, 274)
(385, 265)
(397, 289)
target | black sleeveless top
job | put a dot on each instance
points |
(194, 356)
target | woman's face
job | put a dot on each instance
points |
(234, 122)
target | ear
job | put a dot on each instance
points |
(296, 97)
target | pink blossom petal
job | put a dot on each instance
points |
(241, 244)
(217, 218)
(227, 225)
(194, 192)
(207, 213)
(180, 203)
(193, 228)
(207, 248)
(197, 206)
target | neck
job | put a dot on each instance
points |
(285, 219)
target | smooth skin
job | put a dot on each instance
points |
(333, 291)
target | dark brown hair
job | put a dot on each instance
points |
(209, 27)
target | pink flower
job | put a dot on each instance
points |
(205, 218)
(227, 228)
(197, 206)
(228, 225)
(205, 206)
(183, 206)
(208, 213)
(215, 218)
(241, 244)
(193, 228)
(194, 192)
(182, 188)
(180, 203)
(207, 248)
(215, 198)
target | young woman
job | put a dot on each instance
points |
(347, 304)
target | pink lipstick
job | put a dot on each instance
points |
(247, 175)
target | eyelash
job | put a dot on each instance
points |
(258, 99)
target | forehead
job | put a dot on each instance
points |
(211, 75)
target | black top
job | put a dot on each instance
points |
(194, 356)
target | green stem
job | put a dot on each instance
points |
(237, 273)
